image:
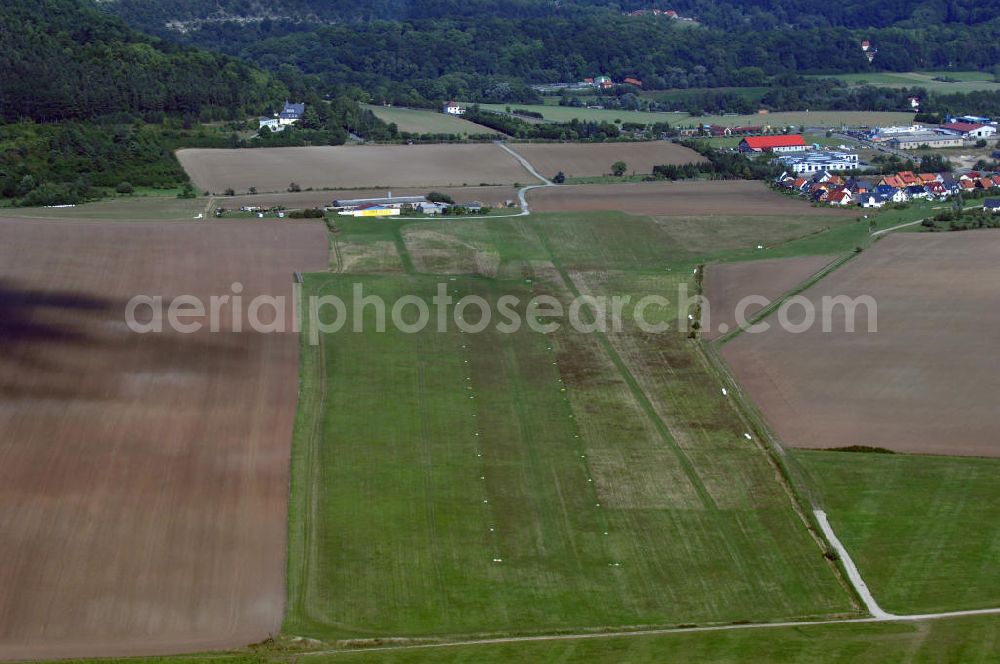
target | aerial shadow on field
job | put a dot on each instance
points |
(72, 345)
(26, 315)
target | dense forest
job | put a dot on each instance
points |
(164, 15)
(89, 106)
(412, 51)
(61, 60)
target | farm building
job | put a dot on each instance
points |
(970, 131)
(388, 201)
(932, 139)
(775, 144)
(371, 211)
(820, 161)
(453, 108)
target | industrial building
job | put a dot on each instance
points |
(815, 162)
(388, 201)
(775, 144)
(932, 139)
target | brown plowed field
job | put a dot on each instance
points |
(726, 284)
(485, 195)
(352, 166)
(680, 199)
(143, 478)
(925, 382)
(592, 159)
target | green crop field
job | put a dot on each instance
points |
(422, 121)
(154, 208)
(925, 531)
(965, 81)
(778, 119)
(484, 483)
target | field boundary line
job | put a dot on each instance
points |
(808, 283)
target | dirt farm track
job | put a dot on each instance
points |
(143, 478)
(925, 382)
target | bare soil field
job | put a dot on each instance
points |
(680, 199)
(726, 284)
(352, 166)
(925, 382)
(144, 477)
(307, 199)
(590, 159)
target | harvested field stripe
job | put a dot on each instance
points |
(404, 253)
(637, 391)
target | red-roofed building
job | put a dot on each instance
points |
(971, 130)
(633, 81)
(840, 197)
(776, 144)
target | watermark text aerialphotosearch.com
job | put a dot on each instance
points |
(471, 314)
